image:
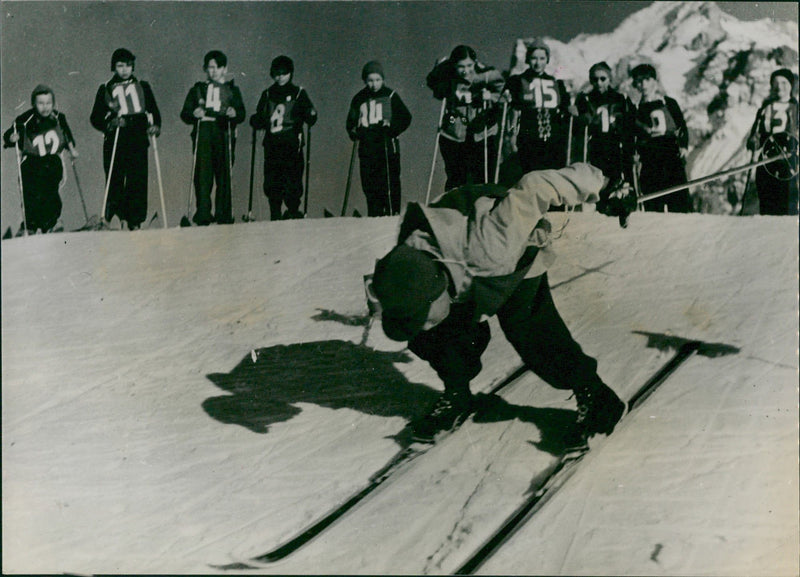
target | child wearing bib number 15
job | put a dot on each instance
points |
(125, 111)
(41, 133)
(214, 107)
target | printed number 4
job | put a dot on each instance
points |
(213, 100)
(42, 140)
(125, 94)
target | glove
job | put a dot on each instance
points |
(154, 130)
(617, 199)
(117, 121)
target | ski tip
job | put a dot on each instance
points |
(327, 213)
(185, 222)
(8, 234)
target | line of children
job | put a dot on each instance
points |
(125, 111)
(214, 108)
(774, 132)
(377, 116)
(282, 110)
(41, 134)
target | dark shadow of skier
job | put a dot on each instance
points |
(268, 384)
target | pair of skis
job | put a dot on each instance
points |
(561, 471)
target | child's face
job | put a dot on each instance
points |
(282, 79)
(216, 73)
(465, 69)
(646, 85)
(44, 104)
(123, 69)
(374, 81)
(600, 80)
(538, 60)
(781, 88)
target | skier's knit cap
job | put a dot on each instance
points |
(42, 89)
(538, 44)
(122, 55)
(786, 73)
(406, 282)
(372, 67)
(281, 65)
(644, 71)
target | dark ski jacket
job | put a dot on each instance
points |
(665, 115)
(375, 117)
(281, 111)
(543, 104)
(131, 99)
(227, 95)
(30, 126)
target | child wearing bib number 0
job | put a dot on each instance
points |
(662, 142)
(41, 133)
(214, 107)
(125, 111)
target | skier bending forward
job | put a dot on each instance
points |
(481, 250)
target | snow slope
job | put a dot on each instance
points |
(176, 399)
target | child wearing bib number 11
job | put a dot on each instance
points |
(41, 133)
(214, 107)
(125, 111)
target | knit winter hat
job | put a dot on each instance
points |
(786, 73)
(42, 89)
(281, 65)
(371, 67)
(644, 71)
(538, 44)
(122, 55)
(406, 282)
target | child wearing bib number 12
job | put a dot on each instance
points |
(214, 108)
(125, 111)
(41, 133)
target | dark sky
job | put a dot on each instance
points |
(68, 46)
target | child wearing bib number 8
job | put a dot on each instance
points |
(281, 112)
(662, 141)
(125, 111)
(41, 133)
(214, 108)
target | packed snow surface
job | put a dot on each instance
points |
(184, 398)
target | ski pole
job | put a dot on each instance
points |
(435, 151)
(708, 178)
(349, 177)
(500, 143)
(389, 211)
(249, 216)
(585, 143)
(308, 169)
(19, 181)
(230, 167)
(485, 144)
(158, 174)
(569, 140)
(747, 181)
(110, 171)
(80, 189)
(185, 220)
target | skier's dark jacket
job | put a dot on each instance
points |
(30, 122)
(374, 136)
(135, 129)
(489, 239)
(291, 129)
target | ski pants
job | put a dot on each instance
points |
(662, 167)
(531, 323)
(213, 166)
(127, 189)
(41, 176)
(379, 164)
(775, 196)
(283, 176)
(464, 161)
(537, 154)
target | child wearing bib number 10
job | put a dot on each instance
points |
(125, 111)
(214, 107)
(41, 133)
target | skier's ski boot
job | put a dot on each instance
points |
(599, 410)
(450, 410)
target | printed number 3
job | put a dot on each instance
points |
(42, 140)
(123, 94)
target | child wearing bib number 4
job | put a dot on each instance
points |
(214, 108)
(41, 133)
(125, 111)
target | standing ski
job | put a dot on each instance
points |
(399, 461)
(565, 467)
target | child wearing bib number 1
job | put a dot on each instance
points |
(214, 107)
(41, 133)
(125, 111)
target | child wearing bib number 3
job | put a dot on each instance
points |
(125, 111)
(41, 133)
(214, 107)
